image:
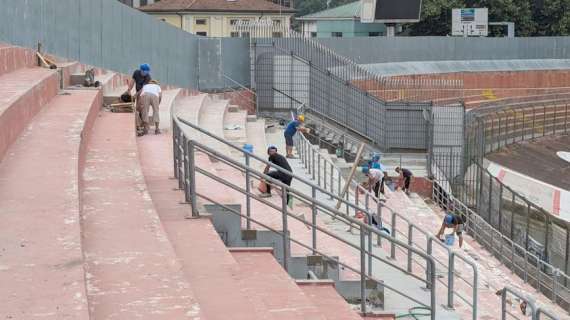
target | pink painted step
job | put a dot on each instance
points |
(13, 58)
(206, 262)
(132, 269)
(323, 295)
(41, 261)
(22, 95)
(267, 282)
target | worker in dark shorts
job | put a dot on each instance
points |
(405, 176)
(290, 131)
(454, 221)
(280, 161)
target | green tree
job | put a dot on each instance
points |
(435, 18)
(552, 17)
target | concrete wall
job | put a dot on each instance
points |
(110, 35)
(382, 49)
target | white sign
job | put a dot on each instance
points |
(367, 9)
(472, 22)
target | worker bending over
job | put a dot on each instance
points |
(290, 131)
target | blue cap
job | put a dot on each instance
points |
(145, 67)
(365, 169)
(375, 157)
(448, 219)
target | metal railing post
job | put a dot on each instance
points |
(332, 181)
(379, 215)
(314, 220)
(429, 251)
(450, 283)
(362, 273)
(285, 227)
(313, 163)
(192, 178)
(393, 246)
(248, 192)
(175, 148)
(186, 171)
(318, 168)
(410, 243)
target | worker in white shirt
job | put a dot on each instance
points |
(375, 180)
(151, 96)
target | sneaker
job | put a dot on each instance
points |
(265, 195)
(157, 131)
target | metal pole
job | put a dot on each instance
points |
(475, 292)
(314, 220)
(393, 246)
(379, 215)
(285, 227)
(313, 163)
(318, 168)
(186, 171)
(248, 192)
(175, 148)
(362, 273)
(192, 177)
(410, 243)
(332, 182)
(450, 283)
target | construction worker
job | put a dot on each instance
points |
(405, 179)
(375, 179)
(280, 161)
(151, 96)
(374, 163)
(290, 131)
(140, 77)
(456, 222)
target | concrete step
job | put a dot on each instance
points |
(13, 58)
(132, 269)
(263, 279)
(211, 118)
(325, 297)
(42, 271)
(235, 128)
(23, 93)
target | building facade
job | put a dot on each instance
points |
(138, 3)
(218, 18)
(342, 21)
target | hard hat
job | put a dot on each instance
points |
(145, 67)
(301, 118)
(375, 157)
(448, 219)
(365, 169)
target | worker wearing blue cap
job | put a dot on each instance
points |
(140, 78)
(451, 220)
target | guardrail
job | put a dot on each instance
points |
(187, 148)
(330, 178)
(536, 313)
(240, 95)
(528, 266)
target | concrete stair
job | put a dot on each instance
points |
(24, 92)
(325, 297)
(262, 278)
(44, 138)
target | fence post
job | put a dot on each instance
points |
(362, 272)
(192, 178)
(450, 283)
(318, 168)
(248, 191)
(410, 243)
(393, 246)
(379, 215)
(285, 227)
(332, 181)
(175, 148)
(314, 219)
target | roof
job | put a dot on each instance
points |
(215, 6)
(348, 11)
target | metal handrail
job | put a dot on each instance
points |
(185, 170)
(529, 302)
(303, 145)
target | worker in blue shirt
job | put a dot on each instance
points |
(290, 131)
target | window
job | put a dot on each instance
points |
(202, 33)
(201, 21)
(313, 34)
(277, 35)
(336, 34)
(233, 22)
(234, 34)
(277, 23)
(373, 34)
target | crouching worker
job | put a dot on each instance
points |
(151, 96)
(455, 222)
(280, 161)
(406, 177)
